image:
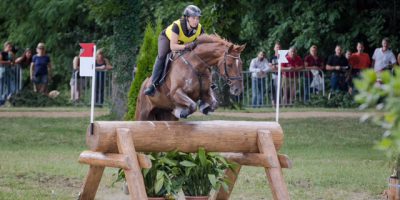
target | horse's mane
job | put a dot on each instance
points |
(213, 38)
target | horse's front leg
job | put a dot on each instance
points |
(208, 102)
(185, 105)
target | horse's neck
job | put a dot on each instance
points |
(208, 55)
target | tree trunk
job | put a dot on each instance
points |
(124, 48)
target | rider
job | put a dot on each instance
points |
(178, 36)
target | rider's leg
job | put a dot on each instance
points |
(157, 71)
(163, 50)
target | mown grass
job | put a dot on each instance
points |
(51, 109)
(333, 159)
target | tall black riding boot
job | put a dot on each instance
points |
(155, 77)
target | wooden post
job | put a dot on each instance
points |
(256, 159)
(112, 160)
(232, 177)
(133, 176)
(275, 177)
(91, 183)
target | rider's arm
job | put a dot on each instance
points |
(174, 43)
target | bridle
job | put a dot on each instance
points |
(231, 78)
(226, 74)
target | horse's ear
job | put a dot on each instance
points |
(230, 48)
(241, 48)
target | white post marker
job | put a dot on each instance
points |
(87, 60)
(281, 59)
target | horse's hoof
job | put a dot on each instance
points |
(206, 110)
(184, 114)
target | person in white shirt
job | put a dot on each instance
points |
(258, 68)
(383, 58)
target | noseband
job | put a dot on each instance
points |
(231, 78)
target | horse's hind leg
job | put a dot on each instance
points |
(185, 105)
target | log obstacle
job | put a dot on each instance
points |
(115, 144)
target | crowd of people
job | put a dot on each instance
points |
(11, 68)
(343, 68)
(35, 71)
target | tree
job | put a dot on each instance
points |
(145, 61)
(122, 16)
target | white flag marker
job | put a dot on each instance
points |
(87, 67)
(281, 59)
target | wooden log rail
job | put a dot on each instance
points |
(161, 136)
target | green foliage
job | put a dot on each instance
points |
(385, 97)
(164, 178)
(28, 98)
(334, 100)
(145, 62)
(203, 171)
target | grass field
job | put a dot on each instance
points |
(333, 159)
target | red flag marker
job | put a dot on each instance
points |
(88, 49)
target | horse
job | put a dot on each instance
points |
(189, 81)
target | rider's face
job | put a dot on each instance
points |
(193, 21)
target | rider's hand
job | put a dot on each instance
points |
(190, 46)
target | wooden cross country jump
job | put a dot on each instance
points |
(115, 144)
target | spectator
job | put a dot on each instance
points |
(76, 81)
(274, 66)
(314, 63)
(359, 61)
(102, 65)
(24, 61)
(5, 62)
(40, 71)
(12, 74)
(338, 64)
(383, 58)
(347, 54)
(258, 68)
(290, 74)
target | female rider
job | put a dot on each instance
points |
(178, 36)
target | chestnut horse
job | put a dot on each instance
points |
(189, 80)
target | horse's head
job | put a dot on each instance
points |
(230, 67)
